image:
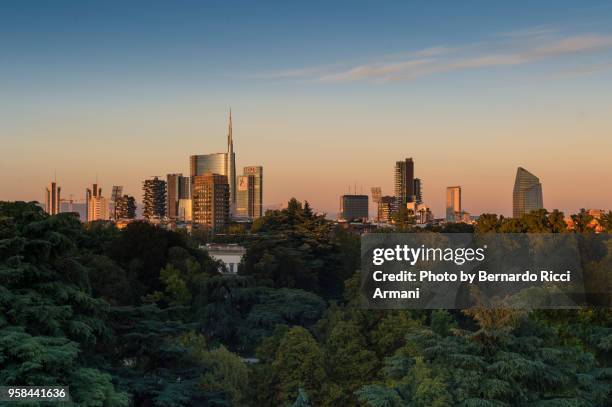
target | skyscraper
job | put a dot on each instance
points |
(418, 192)
(527, 193)
(117, 193)
(178, 188)
(218, 163)
(376, 194)
(125, 207)
(52, 199)
(210, 201)
(96, 206)
(249, 193)
(453, 203)
(404, 182)
(154, 199)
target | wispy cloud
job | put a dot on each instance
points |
(530, 32)
(515, 48)
(583, 70)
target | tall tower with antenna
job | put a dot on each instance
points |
(231, 163)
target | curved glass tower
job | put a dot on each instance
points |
(218, 163)
(527, 194)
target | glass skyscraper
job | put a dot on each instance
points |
(218, 163)
(527, 193)
(178, 187)
(249, 194)
(453, 204)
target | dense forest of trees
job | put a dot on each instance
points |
(141, 317)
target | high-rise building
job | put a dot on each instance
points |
(154, 199)
(179, 187)
(453, 203)
(52, 199)
(376, 194)
(185, 210)
(125, 207)
(527, 193)
(404, 182)
(210, 201)
(418, 192)
(117, 193)
(354, 207)
(245, 196)
(96, 206)
(249, 193)
(385, 208)
(218, 163)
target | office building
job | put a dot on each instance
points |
(52, 199)
(527, 193)
(210, 201)
(418, 193)
(185, 210)
(154, 199)
(249, 195)
(178, 187)
(453, 203)
(354, 208)
(218, 163)
(385, 208)
(90, 193)
(404, 182)
(96, 206)
(376, 194)
(125, 207)
(229, 255)
(117, 193)
(97, 209)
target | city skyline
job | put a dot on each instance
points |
(134, 97)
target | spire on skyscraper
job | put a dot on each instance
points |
(230, 140)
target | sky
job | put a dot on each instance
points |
(324, 95)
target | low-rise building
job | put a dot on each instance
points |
(229, 254)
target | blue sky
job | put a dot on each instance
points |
(126, 90)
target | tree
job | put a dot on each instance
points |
(239, 313)
(349, 362)
(605, 221)
(151, 359)
(557, 221)
(295, 248)
(298, 364)
(49, 321)
(404, 218)
(509, 360)
(226, 373)
(488, 222)
(582, 221)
